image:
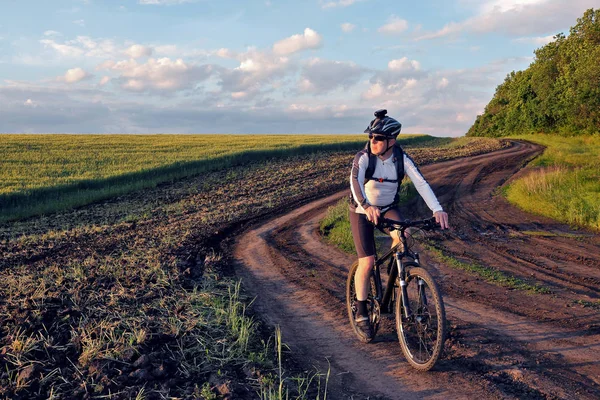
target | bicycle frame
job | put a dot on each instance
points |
(385, 299)
(421, 327)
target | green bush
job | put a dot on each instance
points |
(558, 93)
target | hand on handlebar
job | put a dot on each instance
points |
(442, 219)
(373, 214)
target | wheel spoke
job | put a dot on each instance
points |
(420, 335)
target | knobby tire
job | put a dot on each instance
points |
(422, 337)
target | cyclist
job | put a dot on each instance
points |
(375, 180)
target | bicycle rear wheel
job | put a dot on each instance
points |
(372, 304)
(423, 333)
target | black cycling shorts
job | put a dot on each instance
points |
(363, 231)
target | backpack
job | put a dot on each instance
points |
(398, 158)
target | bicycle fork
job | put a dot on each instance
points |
(403, 292)
(394, 273)
(422, 298)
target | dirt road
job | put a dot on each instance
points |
(503, 343)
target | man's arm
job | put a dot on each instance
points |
(421, 184)
(357, 179)
(425, 191)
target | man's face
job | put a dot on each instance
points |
(379, 143)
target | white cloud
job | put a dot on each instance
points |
(308, 40)
(404, 64)
(79, 22)
(339, 3)
(79, 110)
(225, 53)
(52, 33)
(63, 49)
(517, 18)
(412, 100)
(455, 97)
(394, 25)
(104, 80)
(83, 46)
(239, 95)
(162, 75)
(29, 103)
(374, 92)
(320, 76)
(347, 27)
(257, 70)
(75, 75)
(442, 83)
(506, 5)
(538, 40)
(138, 51)
(318, 112)
(399, 72)
(448, 29)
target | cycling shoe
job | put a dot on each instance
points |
(365, 329)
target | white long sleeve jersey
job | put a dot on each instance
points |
(382, 194)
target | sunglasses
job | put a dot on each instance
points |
(377, 138)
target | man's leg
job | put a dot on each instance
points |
(361, 279)
(362, 284)
(395, 238)
(363, 235)
(394, 213)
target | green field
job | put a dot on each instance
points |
(564, 183)
(47, 173)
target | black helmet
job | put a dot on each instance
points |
(384, 125)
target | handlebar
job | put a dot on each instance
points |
(426, 224)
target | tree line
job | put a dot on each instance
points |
(559, 93)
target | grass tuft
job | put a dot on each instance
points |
(336, 226)
(490, 275)
(595, 304)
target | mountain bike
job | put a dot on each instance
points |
(410, 292)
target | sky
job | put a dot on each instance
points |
(265, 66)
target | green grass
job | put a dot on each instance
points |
(47, 173)
(564, 183)
(336, 226)
(588, 304)
(552, 234)
(490, 275)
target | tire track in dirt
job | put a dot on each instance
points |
(320, 331)
(505, 344)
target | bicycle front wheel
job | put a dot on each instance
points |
(422, 334)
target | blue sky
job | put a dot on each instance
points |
(313, 66)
